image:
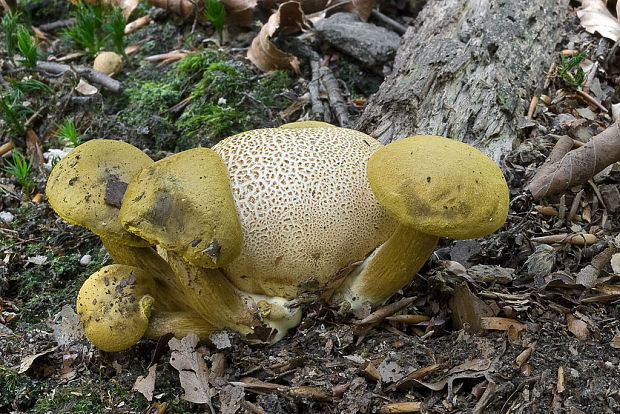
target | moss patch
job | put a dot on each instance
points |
(202, 99)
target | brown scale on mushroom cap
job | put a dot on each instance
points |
(305, 204)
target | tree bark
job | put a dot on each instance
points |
(467, 70)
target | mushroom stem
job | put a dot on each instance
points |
(120, 304)
(180, 324)
(146, 258)
(390, 267)
(212, 295)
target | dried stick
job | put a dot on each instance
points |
(89, 73)
(313, 88)
(58, 24)
(580, 239)
(335, 98)
(393, 24)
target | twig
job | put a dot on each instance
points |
(393, 24)
(573, 208)
(486, 397)
(597, 192)
(590, 99)
(313, 88)
(335, 98)
(581, 239)
(89, 73)
(58, 24)
(138, 23)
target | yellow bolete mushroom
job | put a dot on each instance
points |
(114, 305)
(86, 188)
(118, 305)
(434, 187)
(184, 204)
(305, 206)
(266, 219)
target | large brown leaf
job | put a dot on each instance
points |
(289, 18)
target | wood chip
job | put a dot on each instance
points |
(577, 327)
(402, 407)
(560, 386)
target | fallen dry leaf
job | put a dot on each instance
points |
(595, 18)
(146, 385)
(182, 8)
(67, 327)
(28, 361)
(193, 371)
(468, 310)
(577, 327)
(127, 6)
(263, 52)
(240, 12)
(364, 7)
(615, 263)
(501, 324)
(231, 399)
(565, 168)
(615, 342)
(86, 88)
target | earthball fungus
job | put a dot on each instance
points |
(241, 235)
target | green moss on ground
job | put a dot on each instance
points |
(204, 98)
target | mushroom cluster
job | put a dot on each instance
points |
(240, 235)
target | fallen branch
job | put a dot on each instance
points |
(566, 168)
(58, 24)
(91, 74)
(335, 98)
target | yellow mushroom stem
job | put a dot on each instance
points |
(213, 296)
(180, 324)
(389, 268)
(258, 318)
(147, 259)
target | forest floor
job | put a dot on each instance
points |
(515, 322)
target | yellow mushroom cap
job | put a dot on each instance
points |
(86, 186)
(307, 124)
(184, 204)
(305, 205)
(114, 306)
(440, 186)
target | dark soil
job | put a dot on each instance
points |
(565, 360)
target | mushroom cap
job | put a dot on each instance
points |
(440, 186)
(109, 63)
(184, 204)
(86, 186)
(114, 306)
(307, 124)
(305, 205)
